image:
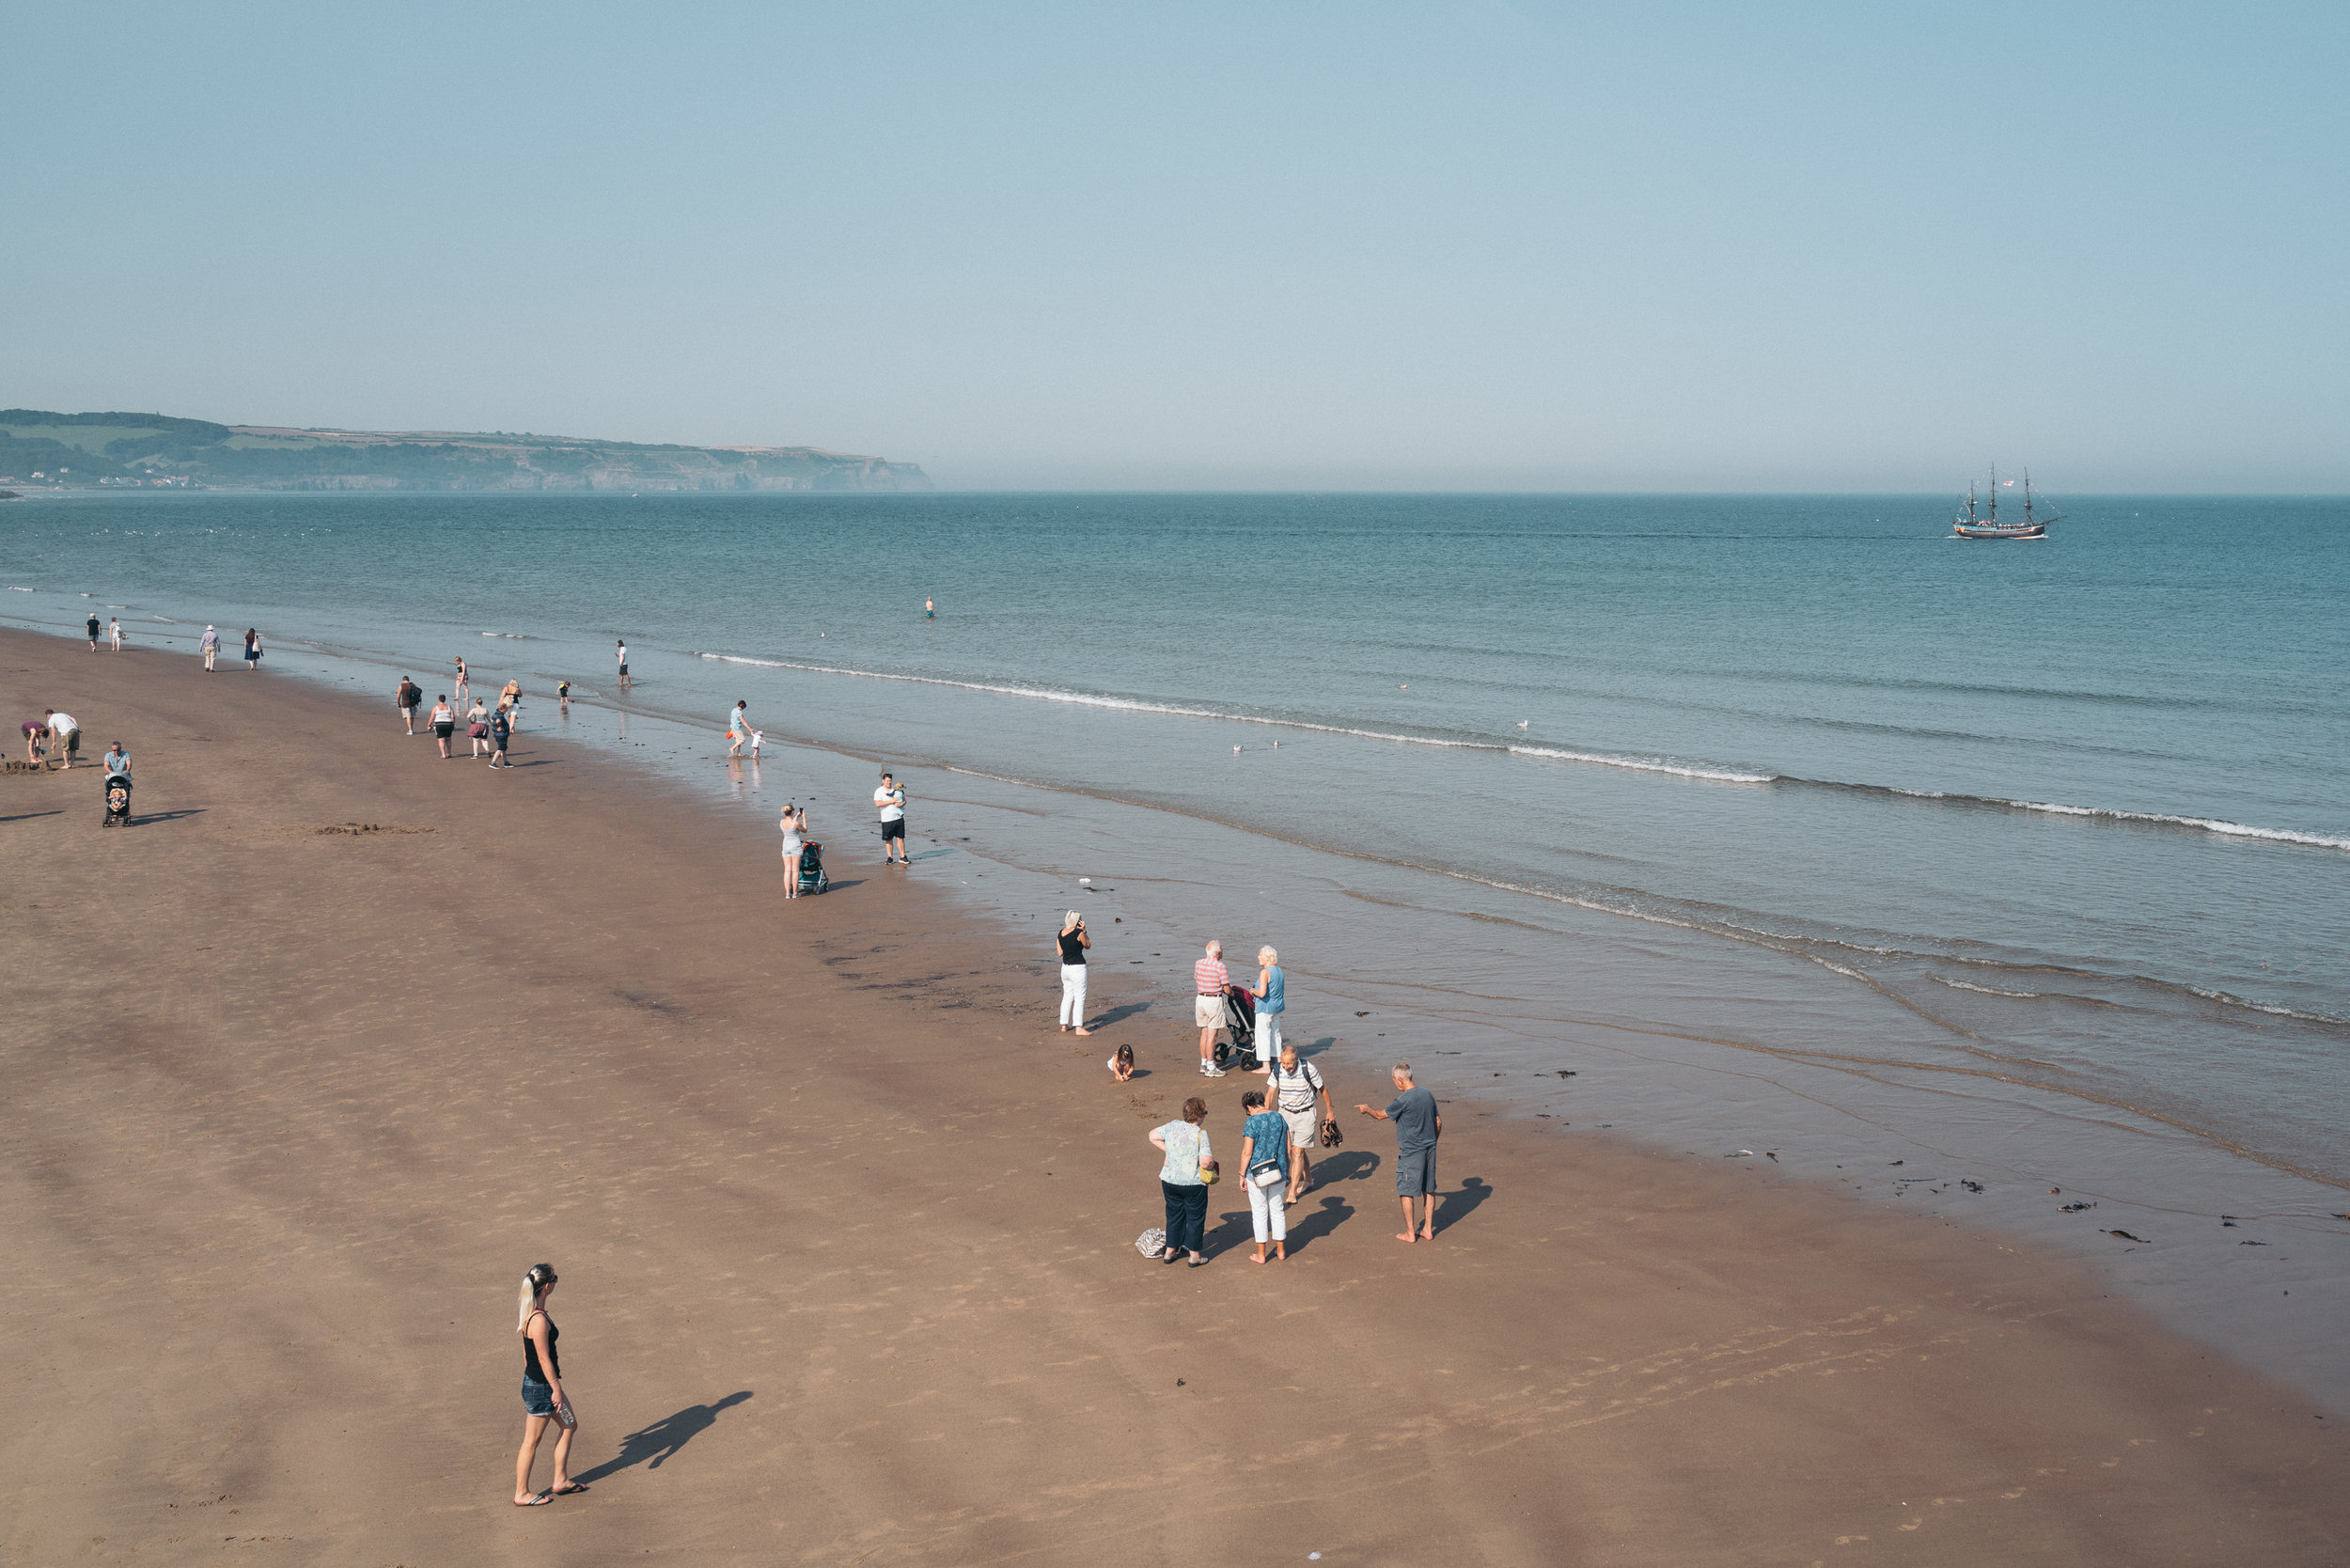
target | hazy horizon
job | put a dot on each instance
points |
(1475, 247)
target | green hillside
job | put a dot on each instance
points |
(41, 449)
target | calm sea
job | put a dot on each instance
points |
(1734, 807)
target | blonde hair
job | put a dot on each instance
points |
(1071, 923)
(1266, 955)
(534, 1285)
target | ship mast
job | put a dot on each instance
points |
(1995, 495)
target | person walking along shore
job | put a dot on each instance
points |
(443, 724)
(405, 697)
(252, 649)
(1073, 943)
(1417, 1125)
(209, 644)
(1183, 1179)
(543, 1399)
(501, 731)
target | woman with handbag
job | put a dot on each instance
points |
(1264, 1167)
(1184, 1179)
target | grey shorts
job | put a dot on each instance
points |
(1304, 1128)
(1415, 1173)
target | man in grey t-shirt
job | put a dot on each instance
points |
(1417, 1126)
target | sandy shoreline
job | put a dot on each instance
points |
(290, 1107)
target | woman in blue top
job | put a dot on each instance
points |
(1184, 1181)
(1270, 1004)
(1265, 1152)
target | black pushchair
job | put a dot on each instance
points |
(118, 800)
(812, 877)
(1237, 1046)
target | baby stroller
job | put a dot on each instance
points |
(812, 877)
(1237, 1046)
(118, 800)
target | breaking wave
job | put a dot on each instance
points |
(1718, 773)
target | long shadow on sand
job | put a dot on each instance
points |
(1117, 1014)
(1454, 1207)
(662, 1438)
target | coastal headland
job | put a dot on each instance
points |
(41, 451)
(305, 1067)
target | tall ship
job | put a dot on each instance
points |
(1985, 524)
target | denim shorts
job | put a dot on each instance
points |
(538, 1397)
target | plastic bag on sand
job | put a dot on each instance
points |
(1151, 1242)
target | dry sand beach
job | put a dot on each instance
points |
(305, 1068)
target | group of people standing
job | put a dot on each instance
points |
(1279, 1124)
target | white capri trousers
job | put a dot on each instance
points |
(1072, 996)
(1268, 1037)
(1273, 1201)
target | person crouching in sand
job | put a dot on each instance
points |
(1123, 1064)
(543, 1399)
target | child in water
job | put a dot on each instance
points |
(1123, 1064)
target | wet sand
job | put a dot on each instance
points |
(845, 1232)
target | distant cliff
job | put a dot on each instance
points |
(41, 449)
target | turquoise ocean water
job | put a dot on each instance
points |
(2031, 837)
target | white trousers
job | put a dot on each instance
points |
(1273, 1201)
(1268, 1037)
(1072, 996)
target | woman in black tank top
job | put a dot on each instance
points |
(543, 1399)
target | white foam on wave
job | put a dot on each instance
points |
(2208, 824)
(1138, 705)
(2269, 1008)
(1649, 764)
(517, 636)
(1707, 772)
(13, 588)
(1986, 990)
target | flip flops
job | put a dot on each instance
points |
(540, 1500)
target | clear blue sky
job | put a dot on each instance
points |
(1483, 245)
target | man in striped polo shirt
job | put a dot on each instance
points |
(1209, 978)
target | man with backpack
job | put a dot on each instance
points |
(1295, 1085)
